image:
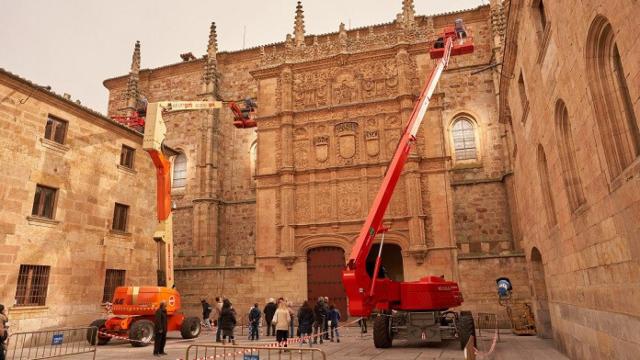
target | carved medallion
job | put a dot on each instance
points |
(372, 142)
(346, 133)
(322, 147)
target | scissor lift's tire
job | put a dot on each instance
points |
(466, 328)
(190, 328)
(141, 333)
(381, 332)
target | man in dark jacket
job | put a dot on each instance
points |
(160, 330)
(319, 315)
(206, 313)
(269, 311)
(254, 321)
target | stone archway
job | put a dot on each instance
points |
(324, 276)
(543, 315)
(391, 260)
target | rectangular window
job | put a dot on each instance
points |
(56, 129)
(33, 281)
(44, 202)
(126, 156)
(120, 214)
(112, 280)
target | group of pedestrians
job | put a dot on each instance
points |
(318, 323)
(4, 330)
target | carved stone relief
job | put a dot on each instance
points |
(347, 144)
(372, 142)
(349, 204)
(303, 205)
(323, 202)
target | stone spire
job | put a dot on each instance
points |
(408, 13)
(134, 78)
(211, 64)
(298, 27)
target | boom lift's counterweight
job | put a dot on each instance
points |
(417, 308)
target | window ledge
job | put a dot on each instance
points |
(29, 308)
(118, 233)
(632, 171)
(40, 221)
(179, 190)
(464, 165)
(544, 44)
(52, 145)
(525, 112)
(127, 169)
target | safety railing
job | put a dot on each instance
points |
(487, 321)
(54, 343)
(238, 352)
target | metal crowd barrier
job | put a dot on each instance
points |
(239, 352)
(486, 321)
(48, 344)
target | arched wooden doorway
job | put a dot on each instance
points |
(543, 316)
(324, 276)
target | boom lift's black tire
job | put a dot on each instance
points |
(466, 328)
(91, 336)
(141, 333)
(381, 332)
(190, 328)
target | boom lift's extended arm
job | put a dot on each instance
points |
(155, 132)
(367, 291)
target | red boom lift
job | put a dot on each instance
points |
(416, 310)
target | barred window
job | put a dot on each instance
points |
(33, 281)
(180, 171)
(44, 202)
(120, 214)
(112, 280)
(464, 139)
(55, 130)
(126, 156)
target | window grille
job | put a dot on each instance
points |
(112, 280)
(464, 139)
(33, 281)
(55, 130)
(44, 202)
(126, 156)
(120, 215)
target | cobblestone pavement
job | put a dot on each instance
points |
(353, 346)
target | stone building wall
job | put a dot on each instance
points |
(331, 111)
(78, 243)
(578, 211)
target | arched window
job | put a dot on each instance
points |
(545, 187)
(253, 158)
(464, 139)
(567, 151)
(179, 171)
(615, 116)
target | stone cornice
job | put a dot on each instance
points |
(509, 59)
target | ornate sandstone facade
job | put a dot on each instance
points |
(260, 207)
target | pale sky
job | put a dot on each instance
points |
(73, 45)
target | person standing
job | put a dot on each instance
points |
(269, 311)
(4, 331)
(363, 325)
(334, 319)
(227, 321)
(305, 321)
(254, 321)
(281, 320)
(292, 314)
(160, 330)
(206, 313)
(319, 315)
(216, 318)
(325, 324)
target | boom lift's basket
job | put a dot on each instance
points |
(462, 43)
